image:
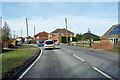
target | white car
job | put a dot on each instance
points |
(49, 44)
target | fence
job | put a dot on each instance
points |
(82, 43)
(96, 44)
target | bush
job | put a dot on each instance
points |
(32, 41)
(96, 39)
(63, 39)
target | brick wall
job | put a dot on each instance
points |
(102, 45)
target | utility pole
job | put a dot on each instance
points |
(14, 34)
(27, 26)
(21, 33)
(66, 30)
(1, 28)
(34, 30)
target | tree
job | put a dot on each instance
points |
(5, 32)
(78, 35)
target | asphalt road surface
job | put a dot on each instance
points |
(74, 62)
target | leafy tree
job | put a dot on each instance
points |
(29, 37)
(78, 35)
(5, 32)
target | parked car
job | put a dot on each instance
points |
(27, 42)
(41, 43)
(49, 44)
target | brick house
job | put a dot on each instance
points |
(56, 34)
(110, 40)
(112, 35)
(41, 36)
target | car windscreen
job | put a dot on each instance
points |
(41, 41)
(49, 42)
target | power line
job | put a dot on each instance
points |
(85, 9)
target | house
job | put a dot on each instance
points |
(29, 38)
(20, 39)
(56, 34)
(41, 36)
(112, 35)
(89, 34)
(110, 40)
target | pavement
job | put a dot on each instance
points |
(74, 62)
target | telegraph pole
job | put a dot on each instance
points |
(1, 28)
(21, 33)
(66, 30)
(27, 26)
(14, 34)
(34, 30)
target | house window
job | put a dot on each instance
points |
(49, 35)
(37, 37)
(55, 35)
(116, 41)
(62, 35)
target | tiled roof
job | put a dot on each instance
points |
(62, 31)
(41, 33)
(114, 31)
(89, 35)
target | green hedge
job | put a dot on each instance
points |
(96, 39)
(63, 39)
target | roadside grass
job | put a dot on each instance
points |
(15, 58)
(115, 50)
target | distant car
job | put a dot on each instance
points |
(27, 42)
(49, 44)
(41, 43)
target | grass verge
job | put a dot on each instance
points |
(115, 50)
(13, 60)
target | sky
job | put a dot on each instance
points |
(48, 16)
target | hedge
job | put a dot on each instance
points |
(63, 39)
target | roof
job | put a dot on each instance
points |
(114, 31)
(29, 38)
(62, 31)
(41, 33)
(89, 35)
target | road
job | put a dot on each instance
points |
(74, 62)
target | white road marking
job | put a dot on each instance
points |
(102, 73)
(78, 58)
(66, 51)
(30, 66)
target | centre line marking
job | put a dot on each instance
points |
(66, 51)
(78, 58)
(30, 66)
(103, 73)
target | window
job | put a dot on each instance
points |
(62, 35)
(49, 35)
(116, 41)
(37, 37)
(55, 35)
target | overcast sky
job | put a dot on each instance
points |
(48, 16)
